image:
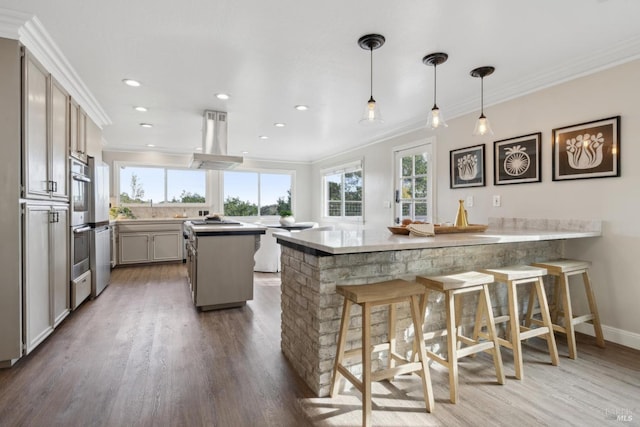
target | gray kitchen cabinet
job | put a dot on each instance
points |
(45, 134)
(46, 280)
(134, 248)
(150, 241)
(59, 232)
(166, 246)
(77, 131)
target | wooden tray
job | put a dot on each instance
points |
(399, 230)
(471, 228)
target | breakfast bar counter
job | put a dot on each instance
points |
(314, 262)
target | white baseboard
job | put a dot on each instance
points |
(618, 336)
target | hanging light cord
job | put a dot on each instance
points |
(371, 71)
(482, 96)
(435, 77)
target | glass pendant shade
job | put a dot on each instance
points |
(483, 127)
(371, 112)
(435, 120)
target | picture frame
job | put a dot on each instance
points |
(587, 150)
(467, 167)
(517, 160)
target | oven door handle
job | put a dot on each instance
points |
(81, 178)
(81, 229)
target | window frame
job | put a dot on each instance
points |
(342, 168)
(117, 166)
(259, 171)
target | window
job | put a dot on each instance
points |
(343, 191)
(257, 193)
(414, 184)
(158, 185)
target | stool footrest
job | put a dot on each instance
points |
(437, 358)
(476, 348)
(499, 319)
(398, 370)
(582, 319)
(526, 333)
(351, 378)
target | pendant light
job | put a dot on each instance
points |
(483, 127)
(435, 119)
(371, 42)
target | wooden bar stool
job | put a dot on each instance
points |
(453, 286)
(519, 275)
(367, 296)
(561, 305)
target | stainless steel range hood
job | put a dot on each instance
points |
(214, 144)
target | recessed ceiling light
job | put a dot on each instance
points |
(141, 109)
(245, 152)
(263, 137)
(279, 125)
(150, 145)
(146, 125)
(198, 148)
(223, 96)
(301, 107)
(131, 82)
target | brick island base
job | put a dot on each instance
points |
(311, 309)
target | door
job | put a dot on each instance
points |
(38, 318)
(36, 173)
(59, 143)
(414, 184)
(60, 263)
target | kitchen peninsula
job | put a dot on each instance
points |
(220, 262)
(314, 262)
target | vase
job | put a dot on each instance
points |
(287, 221)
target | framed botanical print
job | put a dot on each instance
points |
(587, 150)
(467, 167)
(517, 160)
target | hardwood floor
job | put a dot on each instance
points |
(140, 354)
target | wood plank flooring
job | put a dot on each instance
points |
(140, 354)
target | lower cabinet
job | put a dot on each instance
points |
(45, 274)
(150, 243)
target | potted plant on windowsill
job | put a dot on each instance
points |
(286, 218)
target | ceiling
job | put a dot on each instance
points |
(272, 55)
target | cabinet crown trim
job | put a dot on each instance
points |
(31, 33)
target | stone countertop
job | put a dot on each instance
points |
(336, 242)
(149, 220)
(225, 229)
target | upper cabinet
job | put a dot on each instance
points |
(77, 131)
(46, 117)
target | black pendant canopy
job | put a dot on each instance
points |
(371, 41)
(436, 58)
(482, 71)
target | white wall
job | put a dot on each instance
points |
(616, 201)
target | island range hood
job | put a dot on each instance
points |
(214, 144)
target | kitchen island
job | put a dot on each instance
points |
(220, 259)
(314, 262)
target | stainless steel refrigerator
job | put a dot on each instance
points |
(100, 242)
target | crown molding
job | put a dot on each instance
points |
(31, 33)
(10, 23)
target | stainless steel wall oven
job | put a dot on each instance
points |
(80, 184)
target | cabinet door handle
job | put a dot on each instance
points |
(55, 186)
(397, 196)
